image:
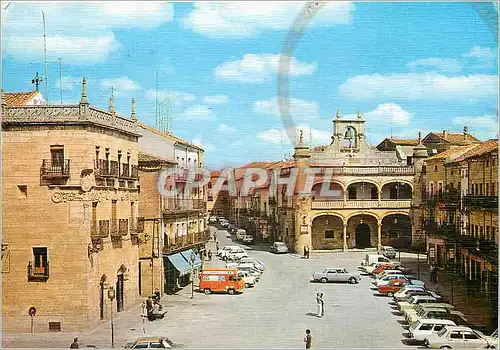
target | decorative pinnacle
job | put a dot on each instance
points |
(301, 139)
(338, 113)
(84, 92)
(419, 137)
(359, 114)
(111, 106)
(132, 115)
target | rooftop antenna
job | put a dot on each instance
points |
(156, 101)
(36, 80)
(310, 137)
(45, 54)
(60, 79)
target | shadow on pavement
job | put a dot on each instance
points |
(402, 322)
(312, 314)
(379, 295)
(396, 313)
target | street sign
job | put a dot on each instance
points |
(32, 311)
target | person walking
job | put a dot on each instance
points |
(209, 255)
(322, 301)
(305, 252)
(308, 339)
(74, 344)
(431, 273)
(319, 303)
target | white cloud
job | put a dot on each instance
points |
(226, 129)
(121, 84)
(175, 97)
(425, 86)
(387, 113)
(91, 42)
(250, 18)
(483, 127)
(69, 83)
(299, 109)
(449, 65)
(280, 136)
(481, 52)
(207, 146)
(215, 99)
(197, 112)
(257, 68)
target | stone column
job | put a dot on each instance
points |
(301, 220)
(344, 248)
(379, 234)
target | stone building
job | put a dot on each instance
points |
(460, 215)
(172, 227)
(70, 202)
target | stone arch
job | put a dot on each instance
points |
(340, 216)
(327, 231)
(337, 189)
(362, 228)
(396, 189)
(363, 189)
(365, 213)
(373, 182)
(396, 230)
(338, 182)
(397, 180)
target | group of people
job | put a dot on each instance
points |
(206, 255)
(151, 302)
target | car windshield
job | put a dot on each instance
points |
(169, 342)
(442, 332)
(410, 300)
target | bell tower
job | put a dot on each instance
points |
(349, 134)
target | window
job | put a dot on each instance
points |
(57, 155)
(426, 327)
(481, 232)
(431, 188)
(487, 190)
(493, 162)
(141, 346)
(455, 335)
(210, 184)
(493, 193)
(477, 230)
(435, 168)
(480, 189)
(487, 232)
(438, 327)
(468, 335)
(374, 193)
(340, 271)
(233, 278)
(329, 234)
(476, 187)
(155, 345)
(487, 163)
(352, 193)
(39, 259)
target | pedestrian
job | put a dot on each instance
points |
(322, 304)
(431, 273)
(305, 252)
(319, 303)
(209, 255)
(149, 308)
(74, 344)
(308, 339)
(217, 246)
(435, 274)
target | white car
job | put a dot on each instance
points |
(222, 251)
(386, 279)
(247, 278)
(212, 219)
(236, 254)
(251, 270)
(256, 262)
(456, 337)
(423, 328)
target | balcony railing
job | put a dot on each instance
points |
(123, 227)
(125, 171)
(357, 204)
(51, 169)
(114, 228)
(486, 202)
(38, 273)
(134, 172)
(174, 204)
(183, 242)
(369, 170)
(103, 228)
(133, 224)
(113, 168)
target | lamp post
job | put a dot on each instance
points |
(111, 296)
(191, 263)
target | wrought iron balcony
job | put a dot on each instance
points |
(113, 168)
(114, 228)
(125, 171)
(123, 227)
(38, 273)
(103, 228)
(54, 170)
(482, 202)
(175, 204)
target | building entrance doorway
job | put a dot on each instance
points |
(101, 297)
(119, 292)
(363, 236)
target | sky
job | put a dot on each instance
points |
(407, 67)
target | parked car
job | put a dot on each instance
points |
(335, 275)
(222, 251)
(421, 329)
(408, 291)
(250, 269)
(384, 266)
(240, 233)
(151, 343)
(248, 239)
(258, 264)
(392, 287)
(247, 278)
(428, 310)
(387, 272)
(456, 337)
(387, 251)
(221, 280)
(385, 279)
(377, 258)
(493, 340)
(279, 248)
(235, 254)
(212, 219)
(224, 223)
(413, 301)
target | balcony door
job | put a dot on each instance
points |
(57, 156)
(40, 259)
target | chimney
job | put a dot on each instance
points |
(444, 134)
(466, 131)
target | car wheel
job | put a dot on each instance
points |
(352, 280)
(445, 347)
(207, 291)
(390, 294)
(247, 285)
(230, 291)
(324, 280)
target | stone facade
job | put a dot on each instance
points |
(68, 224)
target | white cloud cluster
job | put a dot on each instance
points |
(250, 18)
(447, 65)
(299, 109)
(280, 136)
(415, 86)
(483, 126)
(196, 113)
(225, 129)
(175, 97)
(481, 52)
(120, 85)
(207, 146)
(215, 99)
(257, 68)
(388, 113)
(79, 32)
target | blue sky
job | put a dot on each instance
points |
(407, 67)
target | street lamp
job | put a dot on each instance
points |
(111, 296)
(191, 263)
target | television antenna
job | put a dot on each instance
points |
(45, 59)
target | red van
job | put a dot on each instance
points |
(221, 280)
